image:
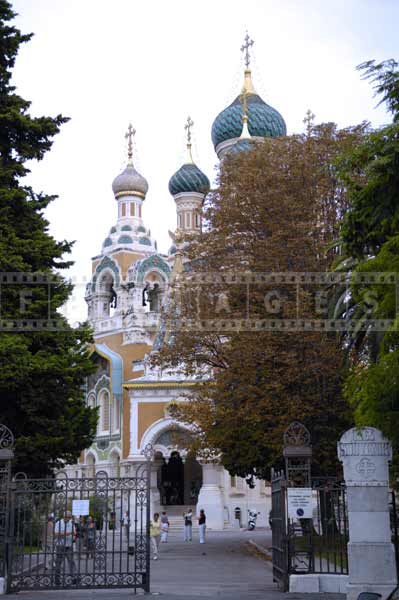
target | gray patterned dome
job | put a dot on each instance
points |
(189, 178)
(129, 182)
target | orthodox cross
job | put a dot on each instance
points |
(129, 137)
(245, 48)
(188, 126)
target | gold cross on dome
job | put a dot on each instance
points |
(129, 137)
(245, 48)
(187, 127)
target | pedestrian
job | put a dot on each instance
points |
(126, 524)
(202, 526)
(90, 537)
(64, 537)
(48, 543)
(155, 534)
(164, 527)
(80, 534)
(188, 525)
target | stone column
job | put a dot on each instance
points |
(210, 497)
(365, 455)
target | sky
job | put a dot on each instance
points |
(154, 62)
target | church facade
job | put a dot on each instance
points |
(127, 290)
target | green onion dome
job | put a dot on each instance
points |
(189, 178)
(263, 120)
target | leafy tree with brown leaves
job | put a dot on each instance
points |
(238, 318)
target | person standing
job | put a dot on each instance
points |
(126, 524)
(155, 534)
(90, 537)
(202, 526)
(164, 527)
(64, 534)
(188, 525)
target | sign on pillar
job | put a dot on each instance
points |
(365, 456)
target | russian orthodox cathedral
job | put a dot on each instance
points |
(127, 290)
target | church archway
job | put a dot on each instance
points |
(179, 477)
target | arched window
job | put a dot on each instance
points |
(108, 295)
(104, 412)
(91, 465)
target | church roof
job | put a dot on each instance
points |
(189, 178)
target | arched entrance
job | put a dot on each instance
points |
(179, 476)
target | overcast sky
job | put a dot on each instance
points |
(153, 62)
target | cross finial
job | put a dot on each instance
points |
(129, 137)
(245, 48)
(187, 127)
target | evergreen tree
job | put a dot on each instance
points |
(44, 362)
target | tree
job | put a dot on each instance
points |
(276, 210)
(44, 362)
(370, 237)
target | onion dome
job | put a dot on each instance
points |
(189, 178)
(129, 182)
(263, 120)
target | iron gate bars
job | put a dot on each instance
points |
(71, 533)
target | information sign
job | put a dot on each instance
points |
(80, 508)
(300, 503)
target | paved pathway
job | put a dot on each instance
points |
(220, 569)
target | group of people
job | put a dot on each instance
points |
(159, 529)
(60, 537)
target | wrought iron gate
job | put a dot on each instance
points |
(74, 533)
(278, 520)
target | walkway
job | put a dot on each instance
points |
(221, 569)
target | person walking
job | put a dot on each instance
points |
(126, 524)
(64, 537)
(202, 526)
(188, 525)
(155, 534)
(164, 527)
(90, 537)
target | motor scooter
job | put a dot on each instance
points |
(252, 516)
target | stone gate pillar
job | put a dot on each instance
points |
(365, 455)
(210, 497)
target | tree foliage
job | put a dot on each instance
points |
(370, 237)
(42, 371)
(276, 210)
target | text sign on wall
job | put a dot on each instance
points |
(300, 503)
(80, 508)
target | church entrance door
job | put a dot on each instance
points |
(172, 481)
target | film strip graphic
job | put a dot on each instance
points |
(27, 281)
(322, 281)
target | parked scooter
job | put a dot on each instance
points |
(252, 516)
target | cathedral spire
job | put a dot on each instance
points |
(189, 124)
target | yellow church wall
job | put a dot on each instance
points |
(148, 413)
(128, 353)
